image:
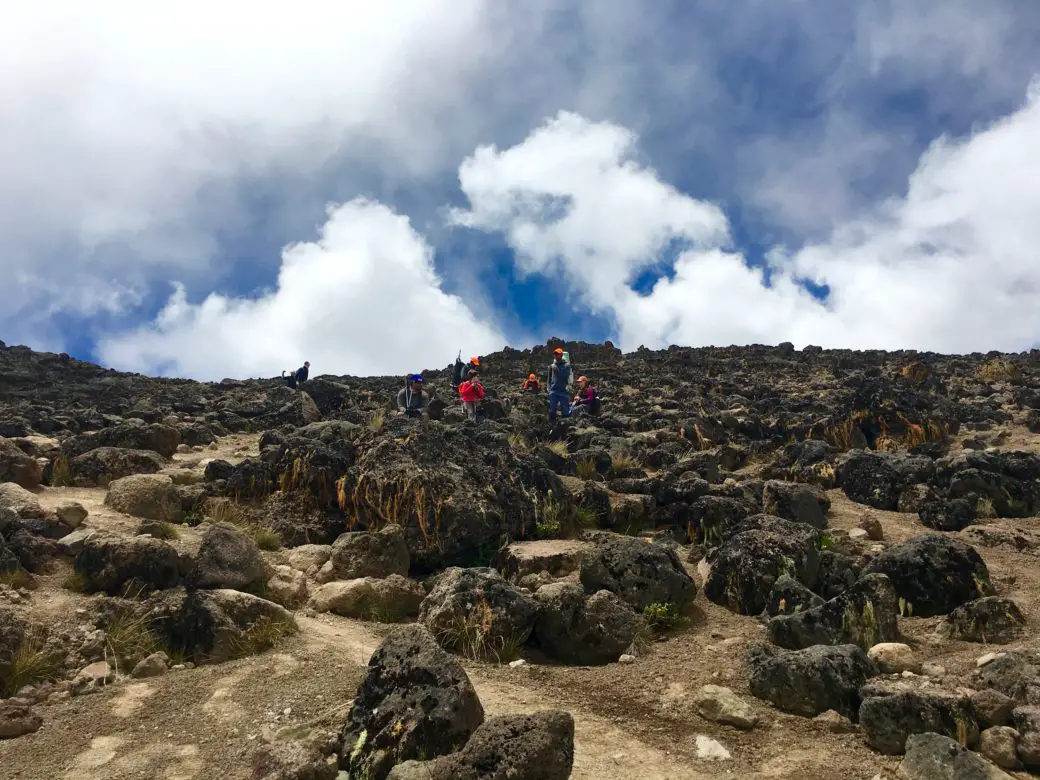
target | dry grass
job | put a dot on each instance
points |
(61, 473)
(19, 578)
(261, 636)
(166, 531)
(375, 422)
(474, 636)
(76, 583)
(32, 663)
(129, 639)
(517, 443)
(586, 469)
(623, 461)
(559, 448)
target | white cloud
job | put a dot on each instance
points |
(362, 299)
(570, 196)
(951, 266)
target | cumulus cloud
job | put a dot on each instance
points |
(362, 299)
(949, 266)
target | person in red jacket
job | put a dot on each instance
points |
(585, 402)
(472, 393)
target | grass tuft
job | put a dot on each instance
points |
(76, 582)
(663, 617)
(559, 448)
(61, 472)
(518, 443)
(261, 636)
(19, 578)
(129, 639)
(267, 540)
(623, 461)
(473, 636)
(31, 663)
(586, 469)
(375, 422)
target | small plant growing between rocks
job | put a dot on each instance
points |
(559, 448)
(76, 582)
(623, 461)
(167, 531)
(375, 422)
(129, 639)
(473, 636)
(262, 635)
(19, 578)
(33, 662)
(1000, 369)
(663, 617)
(266, 539)
(517, 443)
(984, 508)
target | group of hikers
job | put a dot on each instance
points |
(412, 400)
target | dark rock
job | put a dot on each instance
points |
(17, 720)
(811, 681)
(789, 597)
(992, 708)
(17, 467)
(991, 619)
(100, 466)
(129, 436)
(798, 502)
(641, 573)
(415, 703)
(935, 757)
(837, 573)
(890, 713)
(947, 514)
(539, 746)
(218, 469)
(587, 631)
(227, 558)
(111, 564)
(864, 615)
(1016, 674)
(477, 613)
(934, 574)
(367, 554)
(745, 567)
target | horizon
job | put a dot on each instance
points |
(406, 182)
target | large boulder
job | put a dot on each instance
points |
(415, 703)
(100, 466)
(386, 600)
(539, 746)
(1015, 674)
(367, 554)
(455, 491)
(933, 574)
(801, 503)
(151, 496)
(890, 712)
(640, 572)
(213, 626)
(743, 570)
(576, 629)
(932, 756)
(227, 558)
(126, 435)
(16, 498)
(16, 466)
(112, 564)
(865, 615)
(811, 681)
(992, 620)
(478, 613)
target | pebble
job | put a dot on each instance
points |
(708, 748)
(627, 659)
(894, 658)
(517, 663)
(982, 660)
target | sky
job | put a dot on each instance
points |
(227, 189)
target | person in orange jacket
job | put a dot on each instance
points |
(532, 385)
(472, 393)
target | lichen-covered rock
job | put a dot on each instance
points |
(415, 702)
(891, 712)
(100, 466)
(367, 554)
(933, 574)
(793, 501)
(151, 496)
(811, 681)
(864, 615)
(477, 613)
(936, 757)
(111, 564)
(539, 746)
(991, 619)
(576, 629)
(227, 558)
(641, 573)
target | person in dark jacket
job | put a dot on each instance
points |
(411, 400)
(300, 375)
(557, 384)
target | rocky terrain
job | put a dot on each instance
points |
(756, 562)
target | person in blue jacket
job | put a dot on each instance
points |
(558, 385)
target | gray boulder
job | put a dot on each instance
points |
(932, 756)
(639, 572)
(811, 681)
(227, 558)
(367, 554)
(587, 631)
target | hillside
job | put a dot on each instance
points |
(754, 562)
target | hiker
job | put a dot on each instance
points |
(299, 376)
(461, 371)
(411, 400)
(557, 384)
(532, 385)
(585, 401)
(472, 393)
